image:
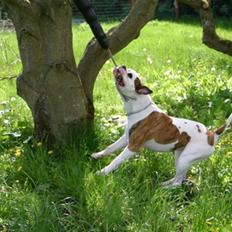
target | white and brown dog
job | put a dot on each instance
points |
(148, 126)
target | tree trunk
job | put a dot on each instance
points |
(49, 83)
(177, 9)
(210, 37)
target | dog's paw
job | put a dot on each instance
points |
(173, 183)
(101, 172)
(168, 182)
(94, 156)
(97, 155)
(171, 186)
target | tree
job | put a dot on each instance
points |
(59, 92)
(210, 37)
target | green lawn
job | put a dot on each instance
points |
(42, 191)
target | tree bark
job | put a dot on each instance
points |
(210, 36)
(49, 82)
(177, 9)
(59, 94)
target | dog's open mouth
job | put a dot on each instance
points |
(118, 77)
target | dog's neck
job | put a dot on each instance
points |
(137, 105)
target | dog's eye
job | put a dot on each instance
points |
(130, 75)
(124, 67)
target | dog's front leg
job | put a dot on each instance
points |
(125, 155)
(120, 143)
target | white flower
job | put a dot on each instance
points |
(213, 69)
(6, 122)
(167, 73)
(114, 131)
(149, 60)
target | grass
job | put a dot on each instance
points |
(42, 191)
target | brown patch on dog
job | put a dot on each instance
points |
(133, 128)
(210, 137)
(220, 129)
(183, 140)
(198, 128)
(138, 84)
(157, 126)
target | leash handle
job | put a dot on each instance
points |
(90, 16)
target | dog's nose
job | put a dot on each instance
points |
(119, 70)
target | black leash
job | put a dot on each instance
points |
(90, 16)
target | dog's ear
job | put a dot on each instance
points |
(141, 89)
(144, 90)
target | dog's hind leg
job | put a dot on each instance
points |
(177, 155)
(191, 154)
(120, 143)
(125, 155)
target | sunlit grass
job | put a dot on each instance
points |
(43, 191)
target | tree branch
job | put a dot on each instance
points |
(210, 37)
(119, 37)
(196, 4)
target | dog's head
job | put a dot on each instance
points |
(128, 82)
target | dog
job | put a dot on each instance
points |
(148, 126)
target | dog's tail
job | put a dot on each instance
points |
(222, 128)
